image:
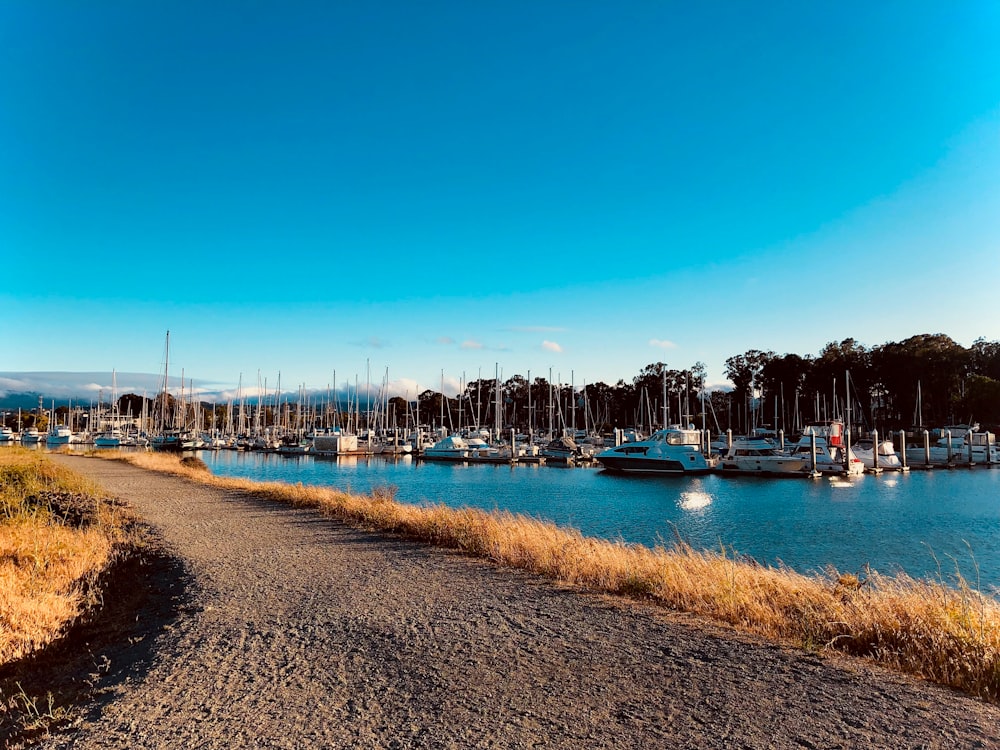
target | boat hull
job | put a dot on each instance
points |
(642, 465)
(785, 467)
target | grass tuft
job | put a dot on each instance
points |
(57, 535)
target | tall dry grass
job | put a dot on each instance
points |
(949, 635)
(48, 560)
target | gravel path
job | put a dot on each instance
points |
(297, 631)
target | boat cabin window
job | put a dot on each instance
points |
(683, 438)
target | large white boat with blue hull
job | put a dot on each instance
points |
(672, 450)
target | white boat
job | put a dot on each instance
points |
(59, 435)
(265, 444)
(482, 452)
(31, 436)
(111, 436)
(293, 446)
(109, 439)
(450, 448)
(970, 447)
(393, 449)
(885, 454)
(980, 448)
(176, 440)
(562, 450)
(672, 450)
(758, 455)
(6, 434)
(212, 441)
(392, 444)
(832, 456)
(135, 440)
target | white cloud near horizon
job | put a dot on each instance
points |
(662, 344)
(470, 344)
(551, 346)
(78, 385)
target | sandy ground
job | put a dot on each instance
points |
(275, 627)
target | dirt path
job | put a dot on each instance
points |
(297, 631)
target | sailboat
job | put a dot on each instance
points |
(111, 437)
(170, 438)
(59, 434)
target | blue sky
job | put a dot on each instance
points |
(589, 187)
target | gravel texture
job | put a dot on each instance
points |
(298, 631)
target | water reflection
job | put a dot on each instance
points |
(694, 500)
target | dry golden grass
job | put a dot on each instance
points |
(47, 564)
(944, 634)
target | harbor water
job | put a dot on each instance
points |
(929, 524)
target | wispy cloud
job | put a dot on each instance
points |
(551, 346)
(470, 344)
(536, 329)
(372, 342)
(662, 343)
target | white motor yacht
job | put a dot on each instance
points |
(450, 448)
(59, 435)
(758, 455)
(31, 436)
(672, 450)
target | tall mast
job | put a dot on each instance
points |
(166, 380)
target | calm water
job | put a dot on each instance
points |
(927, 523)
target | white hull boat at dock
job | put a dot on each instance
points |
(972, 448)
(474, 450)
(60, 435)
(759, 456)
(450, 448)
(668, 451)
(176, 440)
(31, 436)
(831, 455)
(883, 457)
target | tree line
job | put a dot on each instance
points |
(927, 380)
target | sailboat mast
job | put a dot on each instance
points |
(666, 404)
(166, 380)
